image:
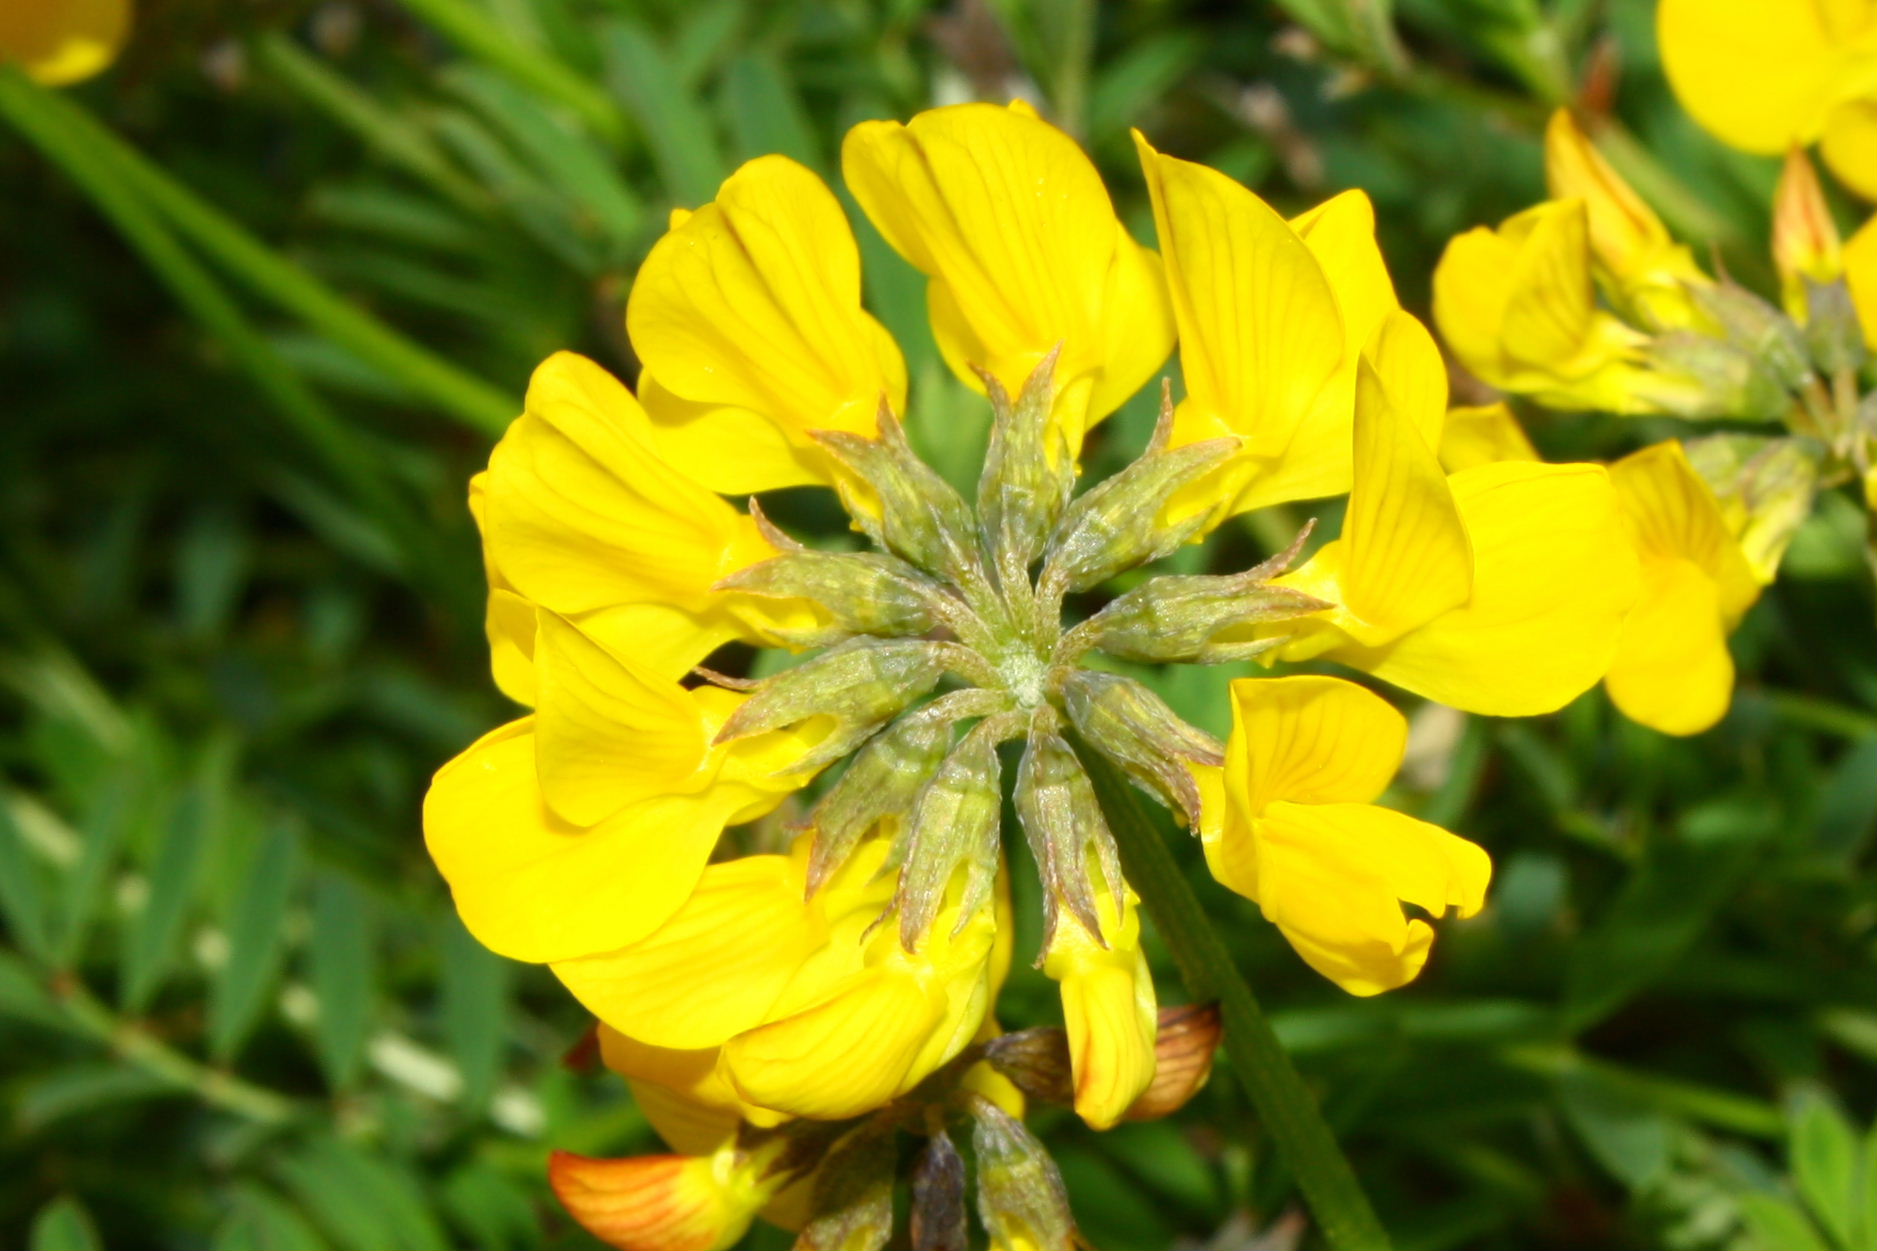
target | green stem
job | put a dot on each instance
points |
(1288, 1110)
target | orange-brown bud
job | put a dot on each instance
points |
(1805, 238)
(662, 1202)
(1183, 1047)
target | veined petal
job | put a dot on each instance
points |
(1010, 221)
(585, 518)
(607, 733)
(1550, 310)
(532, 886)
(1670, 513)
(60, 42)
(715, 968)
(664, 1202)
(508, 621)
(1860, 272)
(1340, 233)
(1766, 74)
(748, 313)
(1672, 672)
(1553, 578)
(1108, 1009)
(1472, 287)
(684, 1094)
(1332, 875)
(1849, 144)
(1262, 341)
(1482, 435)
(1309, 739)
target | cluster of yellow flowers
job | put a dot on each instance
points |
(1587, 302)
(761, 990)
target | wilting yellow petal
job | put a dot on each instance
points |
(608, 734)
(715, 968)
(665, 1202)
(583, 517)
(747, 314)
(1766, 74)
(532, 886)
(1673, 672)
(1849, 144)
(508, 621)
(1108, 1009)
(1263, 347)
(1553, 578)
(1309, 739)
(1482, 435)
(1860, 273)
(1010, 221)
(60, 42)
(1331, 877)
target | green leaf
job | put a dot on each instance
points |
(1775, 1225)
(1825, 1160)
(260, 1220)
(362, 1202)
(23, 995)
(475, 1003)
(24, 890)
(212, 557)
(254, 934)
(1864, 1202)
(340, 952)
(1627, 1136)
(1847, 804)
(151, 940)
(65, 1092)
(766, 113)
(63, 1225)
(103, 838)
(678, 131)
(495, 1211)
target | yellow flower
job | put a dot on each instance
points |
(1518, 306)
(1482, 435)
(1672, 671)
(702, 1202)
(1860, 273)
(802, 1008)
(582, 516)
(581, 828)
(1108, 1007)
(1767, 74)
(60, 42)
(1291, 823)
(1011, 224)
(1499, 589)
(747, 316)
(1273, 316)
(1805, 239)
(1645, 271)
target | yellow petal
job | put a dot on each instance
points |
(531, 886)
(1670, 513)
(1340, 233)
(1108, 1010)
(1860, 272)
(1482, 435)
(60, 42)
(1805, 238)
(1010, 221)
(1673, 672)
(684, 1094)
(1849, 144)
(1766, 74)
(1331, 878)
(608, 734)
(715, 968)
(1262, 342)
(1553, 577)
(665, 1202)
(748, 315)
(508, 621)
(1550, 311)
(1308, 739)
(1472, 287)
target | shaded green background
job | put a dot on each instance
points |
(269, 290)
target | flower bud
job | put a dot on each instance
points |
(1183, 1046)
(1066, 831)
(914, 512)
(862, 592)
(1765, 488)
(938, 1197)
(1135, 729)
(666, 1202)
(1697, 377)
(1036, 1061)
(1021, 1199)
(1029, 473)
(1761, 332)
(859, 686)
(1834, 333)
(880, 784)
(954, 822)
(1185, 618)
(852, 1200)
(1805, 239)
(1120, 522)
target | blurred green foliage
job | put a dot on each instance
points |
(270, 288)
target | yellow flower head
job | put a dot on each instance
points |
(1298, 831)
(1765, 75)
(699, 1202)
(60, 42)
